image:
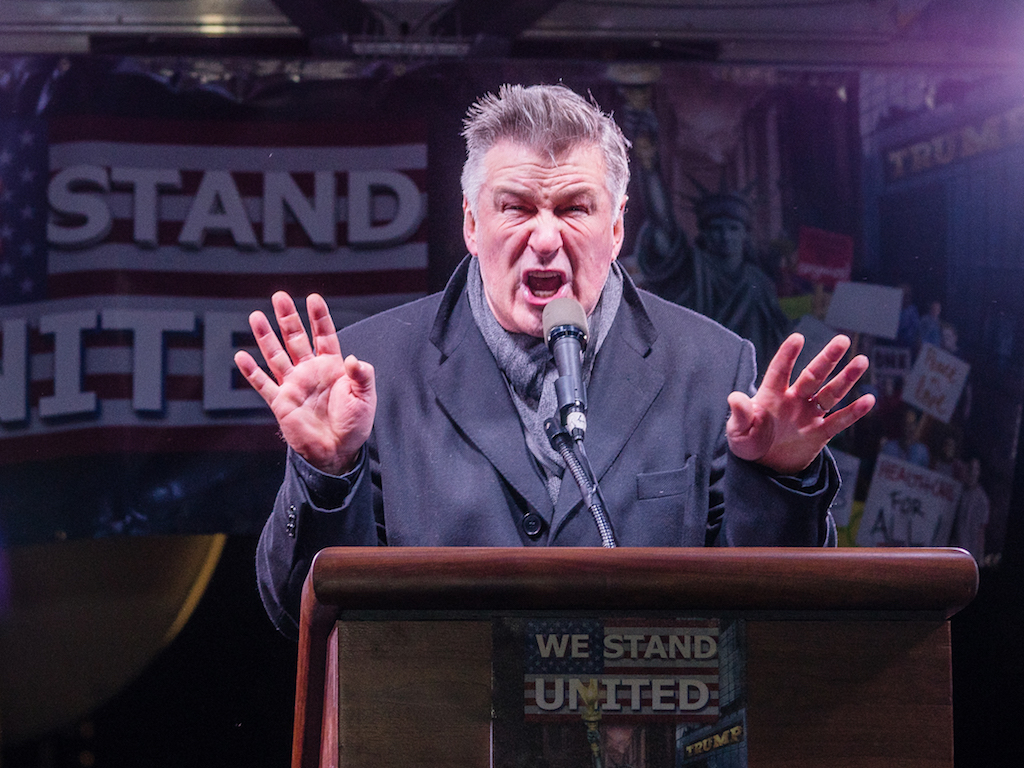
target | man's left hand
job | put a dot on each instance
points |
(785, 426)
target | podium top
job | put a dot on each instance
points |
(644, 579)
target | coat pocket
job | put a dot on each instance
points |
(671, 482)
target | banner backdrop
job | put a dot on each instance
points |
(140, 228)
(149, 205)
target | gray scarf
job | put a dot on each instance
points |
(529, 369)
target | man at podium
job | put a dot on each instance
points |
(426, 425)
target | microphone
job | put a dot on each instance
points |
(565, 331)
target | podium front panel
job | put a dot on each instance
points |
(411, 693)
(864, 681)
(863, 693)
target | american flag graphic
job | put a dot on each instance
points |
(640, 669)
(23, 176)
(133, 250)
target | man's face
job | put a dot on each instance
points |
(542, 230)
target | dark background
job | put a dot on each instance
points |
(221, 694)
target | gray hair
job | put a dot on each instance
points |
(551, 119)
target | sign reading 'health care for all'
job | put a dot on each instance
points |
(908, 506)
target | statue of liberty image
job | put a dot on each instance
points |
(717, 275)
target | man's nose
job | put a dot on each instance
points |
(546, 237)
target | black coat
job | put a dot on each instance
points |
(447, 463)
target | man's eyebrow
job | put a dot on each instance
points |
(513, 191)
(582, 190)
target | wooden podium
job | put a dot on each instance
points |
(848, 651)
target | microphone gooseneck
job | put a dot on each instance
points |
(576, 462)
(565, 331)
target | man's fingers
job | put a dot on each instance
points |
(325, 338)
(361, 375)
(269, 345)
(814, 376)
(780, 369)
(840, 386)
(741, 413)
(293, 332)
(748, 432)
(842, 419)
(257, 378)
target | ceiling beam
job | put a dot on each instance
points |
(327, 18)
(500, 19)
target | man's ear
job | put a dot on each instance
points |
(619, 229)
(468, 226)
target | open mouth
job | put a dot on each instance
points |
(544, 285)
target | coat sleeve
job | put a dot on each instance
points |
(312, 511)
(752, 506)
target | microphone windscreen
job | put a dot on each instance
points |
(564, 311)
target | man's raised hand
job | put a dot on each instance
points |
(324, 403)
(784, 426)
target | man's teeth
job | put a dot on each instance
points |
(544, 284)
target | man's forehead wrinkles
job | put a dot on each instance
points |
(568, 190)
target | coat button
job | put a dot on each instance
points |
(533, 524)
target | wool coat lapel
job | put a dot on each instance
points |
(622, 388)
(473, 393)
